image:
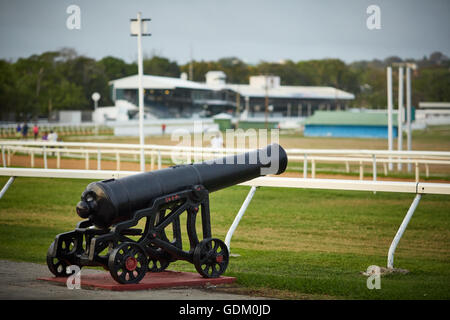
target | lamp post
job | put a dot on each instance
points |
(138, 27)
(389, 111)
(400, 113)
(96, 96)
(408, 112)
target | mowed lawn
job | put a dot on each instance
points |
(292, 243)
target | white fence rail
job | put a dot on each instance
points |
(185, 154)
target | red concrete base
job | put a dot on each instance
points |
(166, 279)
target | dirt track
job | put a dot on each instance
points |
(18, 281)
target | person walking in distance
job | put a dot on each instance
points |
(35, 131)
(25, 130)
(18, 130)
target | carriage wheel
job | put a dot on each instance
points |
(127, 263)
(56, 265)
(211, 257)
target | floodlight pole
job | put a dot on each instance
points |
(408, 111)
(266, 103)
(141, 93)
(389, 111)
(400, 113)
(139, 35)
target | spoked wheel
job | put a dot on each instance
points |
(211, 257)
(128, 263)
(56, 265)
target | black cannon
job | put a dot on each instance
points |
(126, 219)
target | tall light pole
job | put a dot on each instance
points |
(138, 28)
(400, 113)
(389, 110)
(408, 111)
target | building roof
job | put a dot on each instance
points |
(295, 92)
(434, 105)
(156, 82)
(365, 118)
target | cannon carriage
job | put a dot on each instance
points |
(127, 220)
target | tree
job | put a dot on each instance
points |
(159, 66)
(62, 79)
(8, 81)
(432, 84)
(115, 68)
(200, 69)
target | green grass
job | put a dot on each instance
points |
(292, 243)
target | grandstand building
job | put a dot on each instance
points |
(166, 97)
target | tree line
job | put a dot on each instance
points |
(64, 80)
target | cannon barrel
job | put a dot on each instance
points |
(110, 201)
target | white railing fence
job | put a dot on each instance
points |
(184, 154)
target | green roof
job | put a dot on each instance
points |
(350, 118)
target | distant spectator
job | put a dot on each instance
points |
(45, 136)
(217, 141)
(53, 136)
(18, 129)
(163, 128)
(25, 130)
(35, 131)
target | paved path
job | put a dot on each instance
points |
(18, 281)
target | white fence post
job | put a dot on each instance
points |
(305, 166)
(3, 156)
(117, 161)
(159, 159)
(58, 160)
(401, 230)
(239, 216)
(6, 186)
(417, 171)
(45, 157)
(313, 168)
(374, 167)
(99, 160)
(361, 170)
(152, 161)
(86, 162)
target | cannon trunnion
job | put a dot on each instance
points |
(127, 219)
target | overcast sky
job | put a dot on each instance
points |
(253, 30)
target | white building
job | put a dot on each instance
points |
(167, 97)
